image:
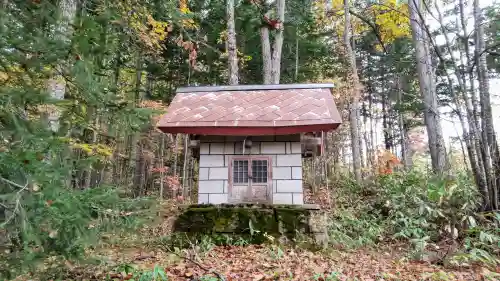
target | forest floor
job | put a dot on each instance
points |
(143, 251)
(263, 262)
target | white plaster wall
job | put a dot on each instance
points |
(286, 170)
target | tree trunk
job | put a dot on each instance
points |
(232, 49)
(135, 148)
(489, 137)
(385, 124)
(370, 147)
(354, 108)
(475, 105)
(471, 130)
(367, 159)
(266, 55)
(361, 125)
(372, 131)
(271, 62)
(468, 131)
(119, 162)
(56, 84)
(296, 76)
(89, 173)
(428, 89)
(139, 169)
(278, 44)
(404, 141)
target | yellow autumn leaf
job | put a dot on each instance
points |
(390, 17)
(93, 149)
(392, 20)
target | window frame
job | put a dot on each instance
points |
(231, 175)
(252, 172)
(250, 182)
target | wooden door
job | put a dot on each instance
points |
(250, 179)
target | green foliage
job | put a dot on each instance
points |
(351, 229)
(482, 241)
(133, 274)
(493, 35)
(209, 278)
(419, 206)
(66, 223)
(355, 223)
(275, 252)
(43, 210)
(117, 53)
(438, 276)
(418, 209)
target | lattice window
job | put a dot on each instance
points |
(259, 171)
(240, 171)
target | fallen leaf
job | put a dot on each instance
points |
(258, 277)
(267, 265)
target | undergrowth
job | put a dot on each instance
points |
(406, 208)
(420, 211)
(66, 225)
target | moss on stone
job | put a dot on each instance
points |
(250, 221)
(292, 220)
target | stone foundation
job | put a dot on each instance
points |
(254, 221)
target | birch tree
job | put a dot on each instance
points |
(471, 105)
(460, 96)
(232, 49)
(427, 84)
(488, 132)
(354, 107)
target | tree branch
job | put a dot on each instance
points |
(13, 183)
(18, 199)
(373, 26)
(219, 275)
(486, 50)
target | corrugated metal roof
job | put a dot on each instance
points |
(213, 112)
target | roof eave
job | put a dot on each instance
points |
(249, 131)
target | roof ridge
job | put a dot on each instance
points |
(253, 87)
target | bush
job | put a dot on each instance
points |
(355, 221)
(418, 209)
(419, 206)
(352, 229)
(63, 222)
(482, 241)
